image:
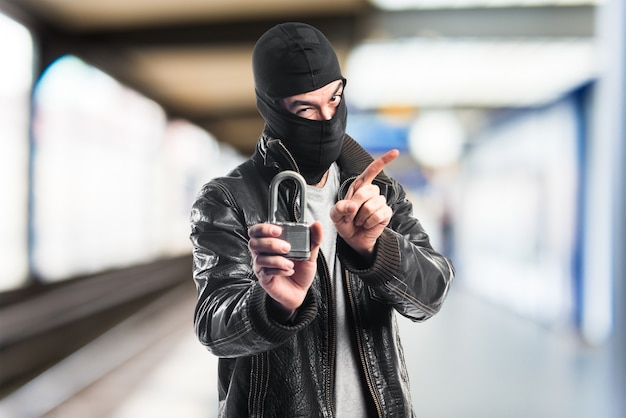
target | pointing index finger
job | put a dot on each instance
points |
(372, 170)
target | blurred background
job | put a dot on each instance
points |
(509, 115)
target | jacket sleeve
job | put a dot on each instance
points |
(406, 272)
(231, 317)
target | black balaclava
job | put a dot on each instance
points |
(291, 59)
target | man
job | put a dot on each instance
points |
(316, 337)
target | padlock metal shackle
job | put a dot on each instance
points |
(284, 175)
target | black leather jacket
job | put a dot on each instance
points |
(267, 369)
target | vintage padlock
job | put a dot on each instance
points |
(296, 233)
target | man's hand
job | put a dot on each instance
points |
(285, 281)
(363, 214)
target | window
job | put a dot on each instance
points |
(15, 86)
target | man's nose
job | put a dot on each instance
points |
(327, 112)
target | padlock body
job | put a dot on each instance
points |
(299, 237)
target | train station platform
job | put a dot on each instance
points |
(471, 360)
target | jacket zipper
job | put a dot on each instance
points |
(332, 336)
(361, 349)
(259, 375)
(292, 160)
(340, 192)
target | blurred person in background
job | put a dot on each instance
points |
(314, 337)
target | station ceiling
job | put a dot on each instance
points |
(193, 56)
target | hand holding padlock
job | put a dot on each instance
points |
(286, 280)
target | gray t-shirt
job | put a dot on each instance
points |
(349, 398)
